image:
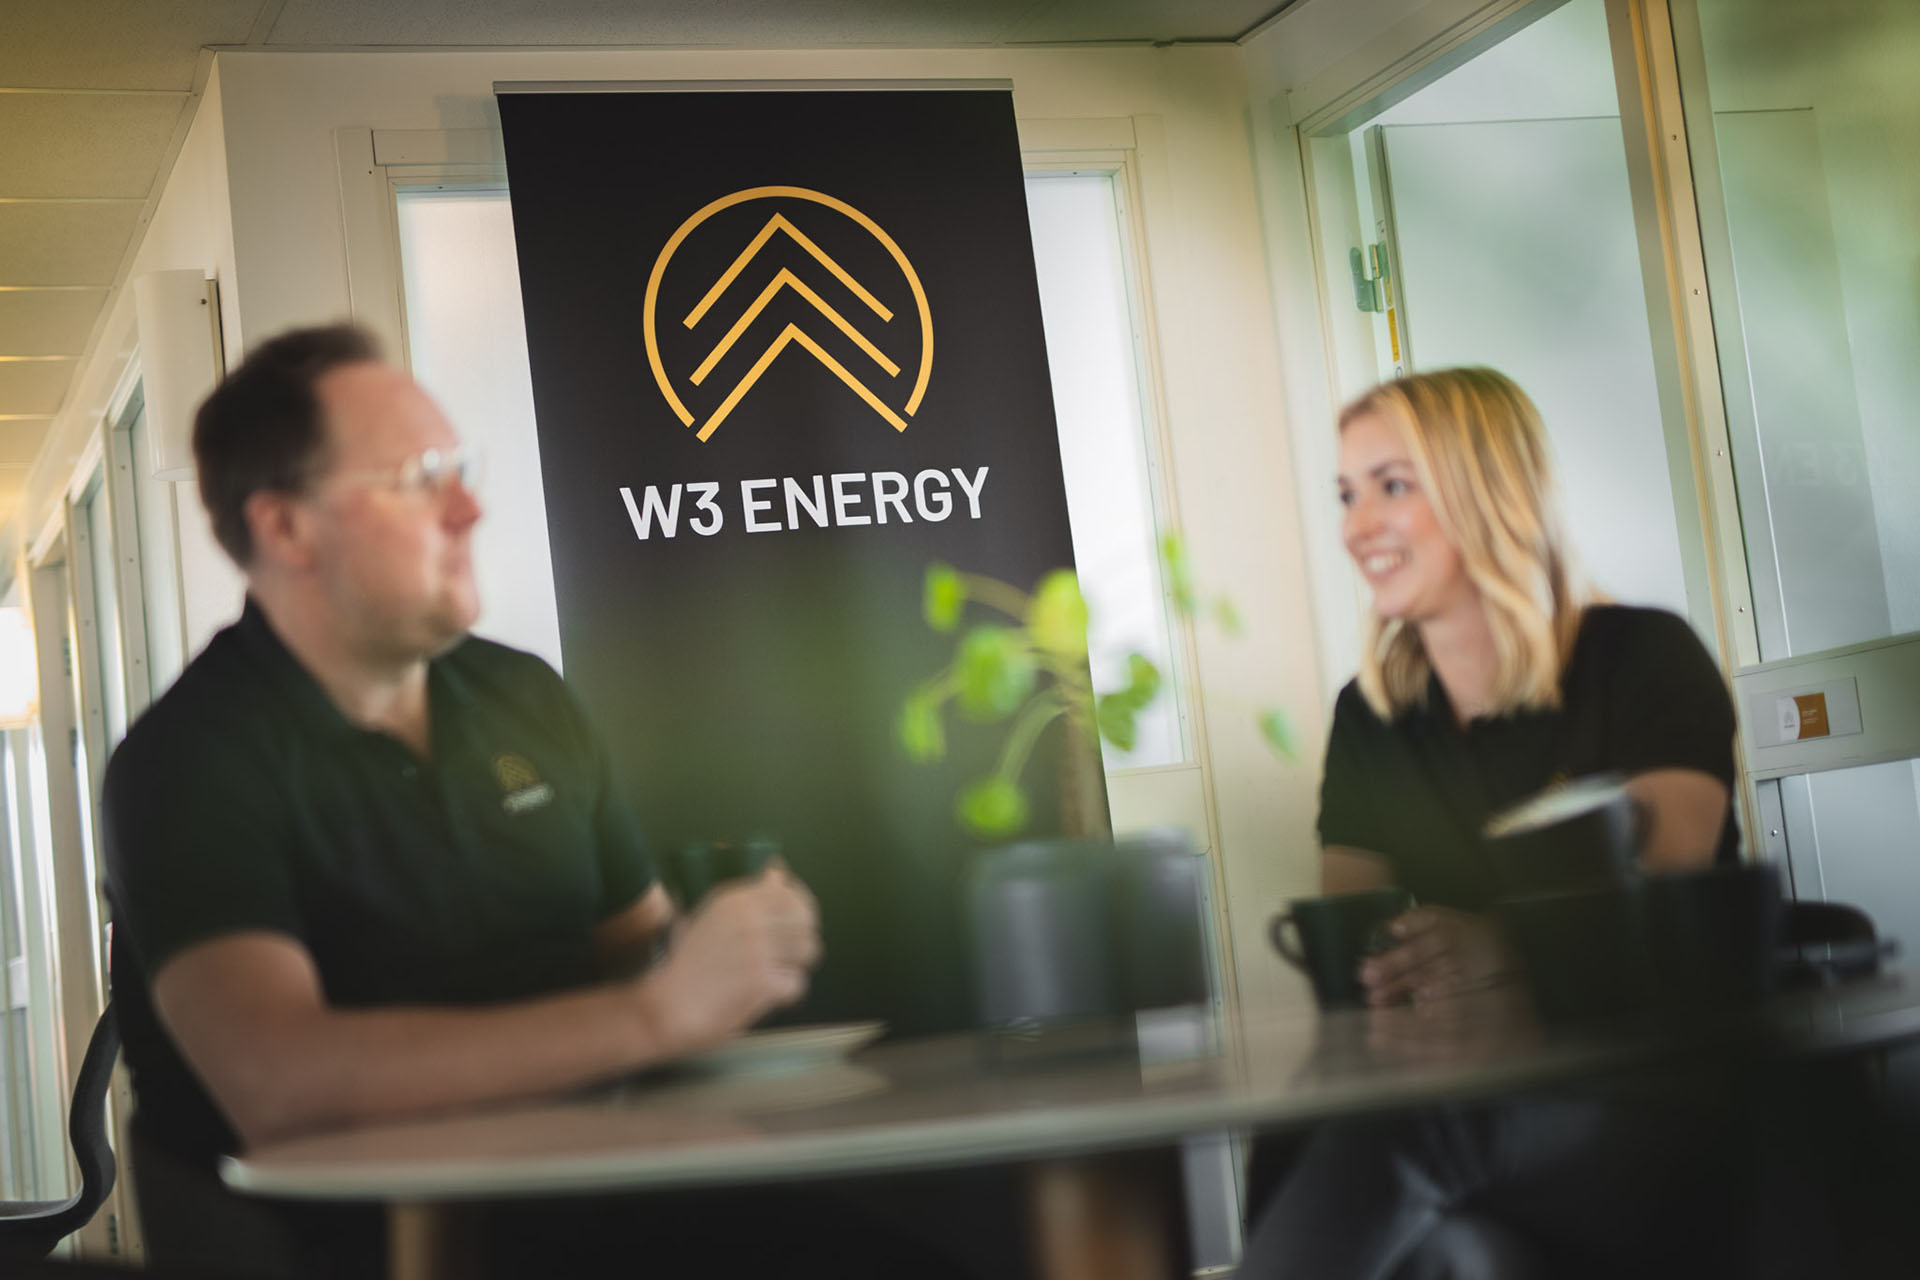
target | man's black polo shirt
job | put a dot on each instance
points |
(243, 800)
(1639, 693)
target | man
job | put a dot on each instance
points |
(362, 864)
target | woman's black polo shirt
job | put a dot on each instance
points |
(1640, 692)
(243, 800)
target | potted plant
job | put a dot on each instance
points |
(1079, 926)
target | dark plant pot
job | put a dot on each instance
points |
(1066, 930)
(1584, 952)
(1713, 935)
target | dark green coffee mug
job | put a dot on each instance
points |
(1334, 935)
(698, 868)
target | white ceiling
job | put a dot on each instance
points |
(95, 94)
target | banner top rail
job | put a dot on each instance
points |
(737, 86)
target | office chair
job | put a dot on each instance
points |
(31, 1228)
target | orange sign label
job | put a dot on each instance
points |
(1813, 714)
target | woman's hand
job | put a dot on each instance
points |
(1441, 951)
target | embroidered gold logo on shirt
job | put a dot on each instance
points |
(521, 783)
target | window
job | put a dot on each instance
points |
(95, 515)
(158, 556)
(1094, 356)
(467, 342)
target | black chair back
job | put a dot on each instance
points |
(87, 1121)
(30, 1229)
(1811, 923)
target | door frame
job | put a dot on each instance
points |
(1660, 171)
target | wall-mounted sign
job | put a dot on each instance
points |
(1776, 717)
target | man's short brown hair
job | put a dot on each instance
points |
(263, 427)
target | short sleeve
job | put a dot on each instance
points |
(625, 861)
(197, 844)
(1669, 706)
(1349, 808)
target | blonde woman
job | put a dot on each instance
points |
(1488, 674)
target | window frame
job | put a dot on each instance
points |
(1118, 165)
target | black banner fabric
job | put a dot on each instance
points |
(786, 353)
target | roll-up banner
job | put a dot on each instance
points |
(787, 353)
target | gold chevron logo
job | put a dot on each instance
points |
(792, 335)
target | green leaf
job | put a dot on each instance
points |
(945, 596)
(1278, 731)
(1117, 715)
(1058, 619)
(922, 732)
(994, 672)
(992, 807)
(1143, 679)
(1173, 553)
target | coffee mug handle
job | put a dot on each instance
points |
(1277, 931)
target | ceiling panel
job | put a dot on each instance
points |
(64, 243)
(47, 322)
(19, 442)
(1073, 21)
(738, 23)
(33, 386)
(116, 44)
(84, 144)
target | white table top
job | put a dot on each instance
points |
(942, 1102)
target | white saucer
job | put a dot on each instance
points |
(784, 1049)
(764, 1092)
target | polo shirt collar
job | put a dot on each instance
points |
(288, 676)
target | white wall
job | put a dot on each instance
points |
(1232, 471)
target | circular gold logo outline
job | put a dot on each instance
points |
(514, 772)
(764, 193)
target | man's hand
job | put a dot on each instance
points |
(1440, 952)
(745, 952)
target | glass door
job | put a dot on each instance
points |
(1487, 218)
(1803, 125)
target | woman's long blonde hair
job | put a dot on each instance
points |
(1481, 455)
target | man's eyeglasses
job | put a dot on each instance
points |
(428, 474)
